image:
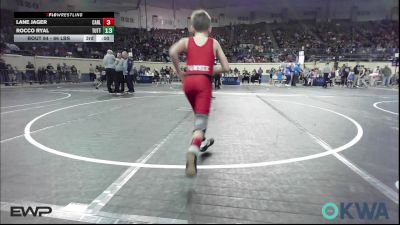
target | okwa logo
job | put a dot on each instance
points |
(351, 210)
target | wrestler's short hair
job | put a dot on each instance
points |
(200, 20)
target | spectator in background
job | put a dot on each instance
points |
(338, 79)
(236, 71)
(147, 72)
(11, 75)
(125, 71)
(246, 76)
(156, 79)
(332, 76)
(3, 71)
(30, 72)
(312, 77)
(309, 78)
(350, 79)
(5, 74)
(277, 77)
(253, 76)
(374, 76)
(162, 71)
(169, 77)
(129, 72)
(356, 74)
(396, 79)
(67, 71)
(59, 73)
(169, 73)
(41, 74)
(259, 75)
(141, 71)
(119, 75)
(296, 73)
(363, 75)
(288, 74)
(74, 74)
(135, 74)
(109, 65)
(18, 74)
(217, 81)
(387, 73)
(103, 73)
(377, 40)
(326, 70)
(98, 81)
(345, 74)
(292, 80)
(163, 76)
(50, 72)
(306, 75)
(271, 74)
(92, 76)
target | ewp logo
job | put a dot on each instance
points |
(20, 210)
(363, 210)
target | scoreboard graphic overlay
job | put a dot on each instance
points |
(64, 26)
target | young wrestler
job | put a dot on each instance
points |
(201, 51)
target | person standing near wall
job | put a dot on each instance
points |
(387, 73)
(236, 71)
(18, 74)
(288, 74)
(74, 74)
(92, 76)
(259, 75)
(98, 81)
(296, 71)
(41, 74)
(345, 74)
(271, 74)
(332, 75)
(109, 65)
(361, 79)
(135, 73)
(312, 77)
(9, 79)
(356, 74)
(168, 77)
(374, 76)
(217, 81)
(245, 76)
(326, 72)
(253, 76)
(306, 75)
(30, 72)
(3, 72)
(67, 70)
(50, 71)
(163, 76)
(59, 73)
(217, 78)
(119, 75)
(157, 79)
(128, 72)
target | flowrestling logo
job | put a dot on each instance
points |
(358, 210)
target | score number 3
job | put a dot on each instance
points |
(108, 21)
